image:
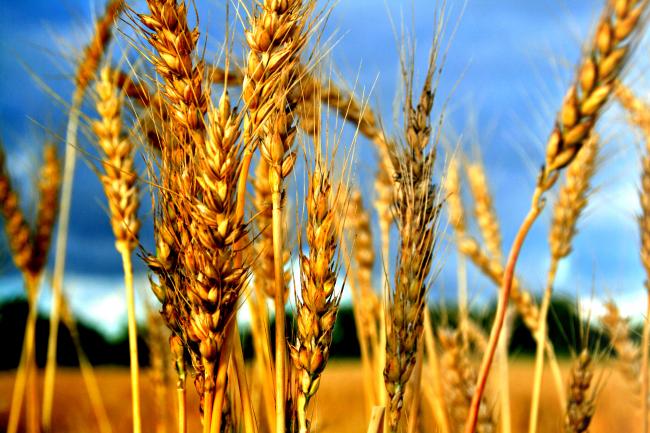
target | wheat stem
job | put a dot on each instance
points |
(87, 372)
(238, 358)
(26, 359)
(214, 422)
(280, 351)
(506, 285)
(181, 409)
(429, 340)
(60, 253)
(133, 337)
(417, 392)
(504, 374)
(541, 344)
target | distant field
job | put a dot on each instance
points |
(340, 407)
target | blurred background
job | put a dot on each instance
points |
(506, 68)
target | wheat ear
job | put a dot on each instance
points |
(571, 201)
(276, 38)
(459, 379)
(29, 251)
(166, 28)
(581, 406)
(416, 206)
(628, 353)
(86, 69)
(637, 109)
(21, 247)
(318, 304)
(119, 182)
(617, 31)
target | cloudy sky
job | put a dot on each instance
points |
(504, 76)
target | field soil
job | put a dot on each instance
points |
(339, 402)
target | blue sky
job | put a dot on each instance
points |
(508, 65)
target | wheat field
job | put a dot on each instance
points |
(237, 159)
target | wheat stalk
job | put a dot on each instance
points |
(644, 229)
(488, 223)
(571, 201)
(86, 69)
(276, 38)
(216, 230)
(119, 182)
(617, 31)
(29, 251)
